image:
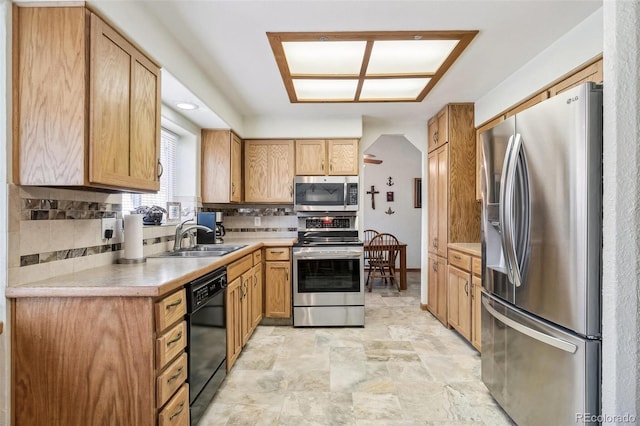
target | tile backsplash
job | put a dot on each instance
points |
(275, 221)
(55, 231)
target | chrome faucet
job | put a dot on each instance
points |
(181, 232)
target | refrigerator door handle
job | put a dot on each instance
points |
(509, 216)
(534, 334)
(504, 194)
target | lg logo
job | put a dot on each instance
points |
(575, 98)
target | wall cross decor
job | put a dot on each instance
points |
(373, 193)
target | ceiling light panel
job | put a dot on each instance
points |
(324, 57)
(325, 89)
(369, 66)
(392, 88)
(402, 57)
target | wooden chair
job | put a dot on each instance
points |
(368, 236)
(383, 252)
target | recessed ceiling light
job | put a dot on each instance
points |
(188, 106)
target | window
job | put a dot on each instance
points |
(168, 144)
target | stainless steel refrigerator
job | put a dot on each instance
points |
(541, 259)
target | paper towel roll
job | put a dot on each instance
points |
(133, 236)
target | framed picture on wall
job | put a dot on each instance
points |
(417, 193)
(173, 212)
(390, 196)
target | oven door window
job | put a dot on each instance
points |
(328, 275)
(320, 194)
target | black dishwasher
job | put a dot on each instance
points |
(206, 339)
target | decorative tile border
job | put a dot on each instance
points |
(34, 259)
(253, 211)
(49, 209)
(261, 229)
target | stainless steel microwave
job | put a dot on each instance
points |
(326, 193)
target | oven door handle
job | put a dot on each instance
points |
(329, 255)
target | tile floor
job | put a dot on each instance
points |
(402, 368)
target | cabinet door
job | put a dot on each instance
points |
(256, 169)
(476, 311)
(256, 295)
(221, 166)
(234, 337)
(432, 190)
(236, 169)
(125, 112)
(277, 290)
(443, 126)
(442, 290)
(281, 171)
(343, 157)
(442, 203)
(311, 156)
(246, 290)
(459, 306)
(437, 291)
(269, 171)
(432, 130)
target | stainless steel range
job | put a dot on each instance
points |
(328, 271)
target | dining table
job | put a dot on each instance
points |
(403, 260)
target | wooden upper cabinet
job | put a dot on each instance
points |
(86, 103)
(268, 171)
(592, 72)
(454, 214)
(221, 166)
(438, 129)
(327, 157)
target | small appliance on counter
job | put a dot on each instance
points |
(212, 220)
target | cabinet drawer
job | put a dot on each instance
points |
(461, 260)
(476, 266)
(176, 413)
(257, 257)
(239, 267)
(172, 378)
(170, 309)
(170, 344)
(276, 253)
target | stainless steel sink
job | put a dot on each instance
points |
(202, 250)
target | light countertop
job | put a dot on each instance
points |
(153, 278)
(473, 249)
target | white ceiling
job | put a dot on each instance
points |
(227, 40)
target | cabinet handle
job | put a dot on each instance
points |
(233, 188)
(174, 304)
(331, 166)
(456, 257)
(466, 288)
(175, 339)
(322, 165)
(175, 376)
(177, 413)
(291, 190)
(435, 242)
(160, 169)
(277, 251)
(435, 266)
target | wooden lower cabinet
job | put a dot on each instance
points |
(437, 292)
(244, 303)
(459, 301)
(96, 360)
(234, 315)
(277, 277)
(476, 311)
(464, 284)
